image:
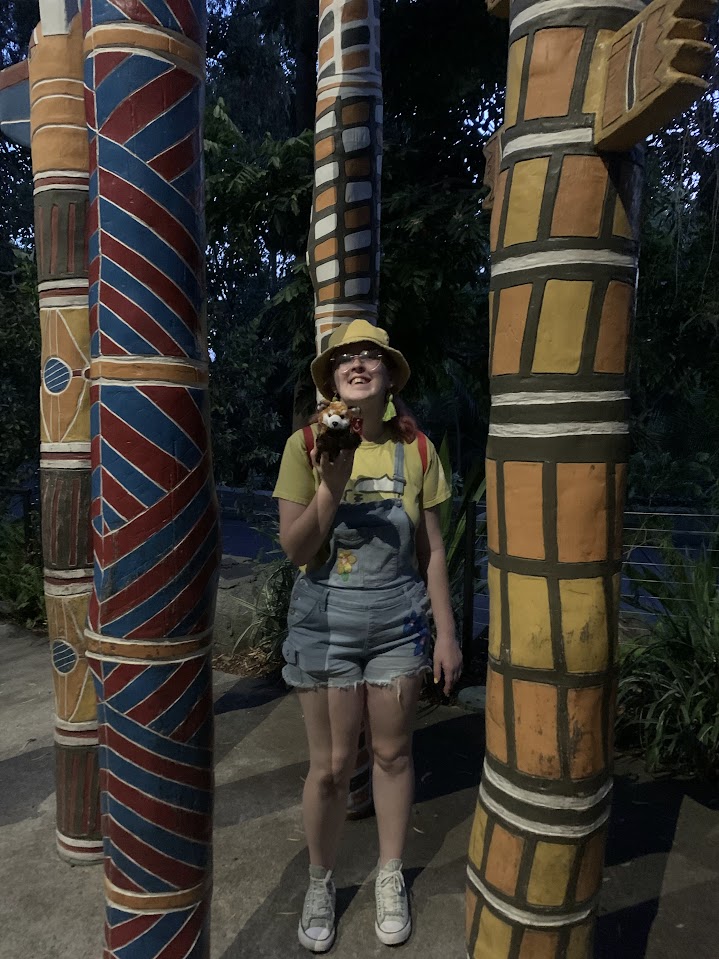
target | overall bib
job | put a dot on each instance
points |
(362, 615)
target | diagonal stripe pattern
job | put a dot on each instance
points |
(154, 511)
(155, 752)
(138, 937)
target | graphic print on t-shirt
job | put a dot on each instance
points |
(367, 489)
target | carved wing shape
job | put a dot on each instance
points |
(653, 71)
(15, 104)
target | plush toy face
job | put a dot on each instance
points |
(337, 416)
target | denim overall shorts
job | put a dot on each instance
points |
(362, 616)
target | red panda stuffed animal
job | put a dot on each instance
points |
(339, 428)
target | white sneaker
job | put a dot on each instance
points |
(393, 924)
(316, 930)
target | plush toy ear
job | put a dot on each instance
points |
(322, 405)
(354, 410)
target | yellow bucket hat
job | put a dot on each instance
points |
(358, 331)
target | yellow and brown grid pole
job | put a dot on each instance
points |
(564, 234)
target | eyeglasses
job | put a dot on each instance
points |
(370, 359)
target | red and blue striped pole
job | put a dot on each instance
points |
(154, 508)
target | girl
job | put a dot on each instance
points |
(366, 533)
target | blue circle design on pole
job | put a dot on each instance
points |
(56, 375)
(64, 657)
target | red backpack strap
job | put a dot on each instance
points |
(309, 441)
(422, 448)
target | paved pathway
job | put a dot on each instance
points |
(661, 892)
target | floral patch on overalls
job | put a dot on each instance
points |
(417, 623)
(345, 562)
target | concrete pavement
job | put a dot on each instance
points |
(661, 890)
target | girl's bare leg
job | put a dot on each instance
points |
(391, 720)
(332, 720)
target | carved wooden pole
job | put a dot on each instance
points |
(343, 249)
(582, 81)
(41, 106)
(154, 510)
(60, 168)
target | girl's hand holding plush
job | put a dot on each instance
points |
(334, 474)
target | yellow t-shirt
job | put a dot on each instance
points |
(371, 478)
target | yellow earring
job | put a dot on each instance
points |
(390, 410)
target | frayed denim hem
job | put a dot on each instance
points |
(303, 687)
(394, 681)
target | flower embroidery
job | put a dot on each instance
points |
(416, 625)
(345, 562)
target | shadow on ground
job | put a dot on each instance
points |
(29, 779)
(448, 755)
(448, 759)
(650, 819)
(251, 700)
(643, 831)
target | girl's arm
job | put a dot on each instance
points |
(304, 529)
(433, 567)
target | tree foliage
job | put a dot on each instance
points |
(17, 21)
(434, 275)
(245, 60)
(443, 71)
(444, 67)
(675, 368)
(258, 201)
(19, 328)
(19, 370)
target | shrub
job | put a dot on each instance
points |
(262, 640)
(668, 702)
(21, 584)
(269, 628)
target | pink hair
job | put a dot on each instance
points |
(403, 426)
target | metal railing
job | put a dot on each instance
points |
(658, 544)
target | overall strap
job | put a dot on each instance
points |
(398, 480)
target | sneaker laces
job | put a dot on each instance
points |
(319, 900)
(390, 894)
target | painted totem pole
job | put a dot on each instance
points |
(343, 249)
(61, 193)
(154, 509)
(56, 111)
(125, 449)
(586, 83)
